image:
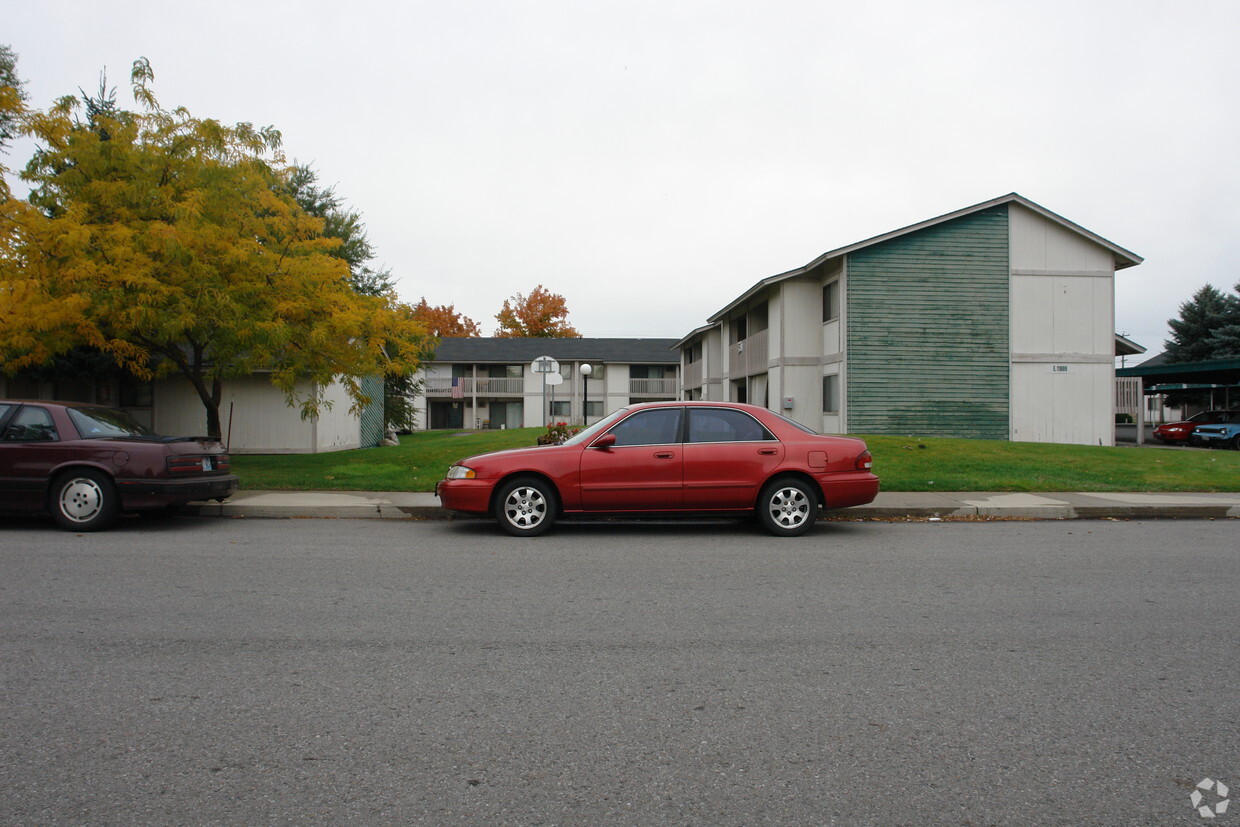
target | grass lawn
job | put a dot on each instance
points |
(903, 464)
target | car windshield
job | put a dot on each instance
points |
(596, 429)
(101, 423)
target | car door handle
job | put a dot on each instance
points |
(663, 455)
(768, 451)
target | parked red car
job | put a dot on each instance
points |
(87, 464)
(1181, 433)
(666, 458)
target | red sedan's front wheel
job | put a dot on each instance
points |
(526, 507)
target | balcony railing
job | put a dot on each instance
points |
(482, 386)
(749, 356)
(693, 375)
(653, 387)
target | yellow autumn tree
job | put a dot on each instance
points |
(172, 244)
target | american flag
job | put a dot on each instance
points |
(458, 388)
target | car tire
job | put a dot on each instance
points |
(787, 507)
(84, 500)
(526, 507)
(1235, 442)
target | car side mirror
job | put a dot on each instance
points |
(604, 442)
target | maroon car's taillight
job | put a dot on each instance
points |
(865, 462)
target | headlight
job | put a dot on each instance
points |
(460, 472)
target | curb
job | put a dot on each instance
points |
(889, 506)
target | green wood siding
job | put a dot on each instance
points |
(928, 342)
(371, 425)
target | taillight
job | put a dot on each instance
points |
(865, 462)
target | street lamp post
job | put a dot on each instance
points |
(586, 370)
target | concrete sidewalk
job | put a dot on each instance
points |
(894, 505)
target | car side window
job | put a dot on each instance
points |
(657, 427)
(30, 425)
(721, 425)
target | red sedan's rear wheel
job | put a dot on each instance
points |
(84, 500)
(526, 507)
(787, 507)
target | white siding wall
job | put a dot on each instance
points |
(799, 348)
(1062, 328)
(712, 354)
(261, 421)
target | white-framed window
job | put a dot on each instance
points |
(831, 301)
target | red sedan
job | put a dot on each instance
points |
(666, 458)
(87, 464)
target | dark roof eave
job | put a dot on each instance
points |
(1168, 369)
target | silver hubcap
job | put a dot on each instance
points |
(80, 499)
(789, 507)
(525, 507)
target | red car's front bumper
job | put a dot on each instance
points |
(470, 496)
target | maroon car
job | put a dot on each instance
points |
(666, 458)
(1181, 433)
(87, 464)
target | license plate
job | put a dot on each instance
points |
(206, 463)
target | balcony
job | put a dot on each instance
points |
(441, 388)
(749, 356)
(693, 375)
(664, 388)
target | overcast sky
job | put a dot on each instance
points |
(651, 160)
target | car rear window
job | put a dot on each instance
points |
(101, 423)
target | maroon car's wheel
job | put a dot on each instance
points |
(787, 507)
(84, 500)
(526, 507)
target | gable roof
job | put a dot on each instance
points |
(517, 351)
(1123, 258)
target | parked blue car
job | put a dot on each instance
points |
(1222, 433)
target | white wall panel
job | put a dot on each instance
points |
(1071, 407)
(1040, 244)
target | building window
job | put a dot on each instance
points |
(649, 372)
(134, 393)
(561, 410)
(505, 371)
(831, 394)
(831, 301)
(594, 408)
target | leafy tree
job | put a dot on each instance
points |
(341, 223)
(542, 314)
(171, 243)
(12, 96)
(443, 320)
(1195, 335)
(1226, 338)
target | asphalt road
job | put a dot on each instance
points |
(319, 671)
